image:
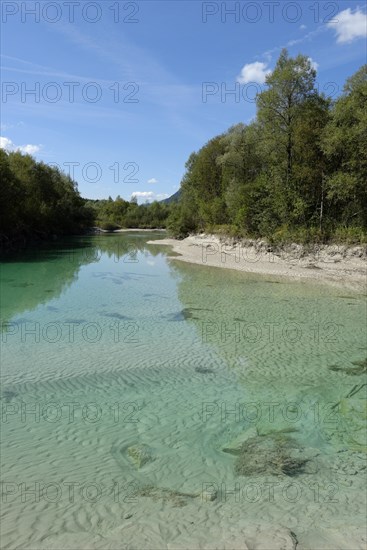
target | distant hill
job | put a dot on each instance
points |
(173, 198)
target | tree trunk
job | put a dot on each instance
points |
(322, 200)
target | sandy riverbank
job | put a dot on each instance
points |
(333, 264)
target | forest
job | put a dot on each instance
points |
(297, 172)
(37, 202)
(116, 214)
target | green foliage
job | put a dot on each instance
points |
(298, 172)
(108, 226)
(111, 215)
(345, 146)
(350, 235)
(182, 220)
(37, 201)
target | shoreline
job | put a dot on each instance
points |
(338, 265)
(137, 230)
(97, 230)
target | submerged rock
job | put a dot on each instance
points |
(359, 368)
(270, 454)
(8, 395)
(234, 446)
(362, 365)
(209, 496)
(204, 370)
(353, 416)
(265, 430)
(140, 455)
(176, 498)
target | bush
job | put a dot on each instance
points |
(350, 235)
(109, 226)
(181, 222)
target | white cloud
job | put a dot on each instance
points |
(152, 180)
(349, 25)
(294, 42)
(302, 27)
(8, 145)
(6, 127)
(143, 194)
(149, 195)
(29, 149)
(314, 64)
(253, 72)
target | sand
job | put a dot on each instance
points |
(342, 266)
(168, 373)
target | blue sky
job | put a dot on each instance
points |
(127, 90)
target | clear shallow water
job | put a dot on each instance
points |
(123, 371)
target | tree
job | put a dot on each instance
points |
(299, 169)
(241, 163)
(10, 195)
(345, 144)
(280, 110)
(37, 200)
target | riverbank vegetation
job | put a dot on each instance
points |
(297, 172)
(120, 214)
(37, 201)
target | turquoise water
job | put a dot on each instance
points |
(127, 377)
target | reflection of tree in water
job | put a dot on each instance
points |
(37, 275)
(128, 245)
